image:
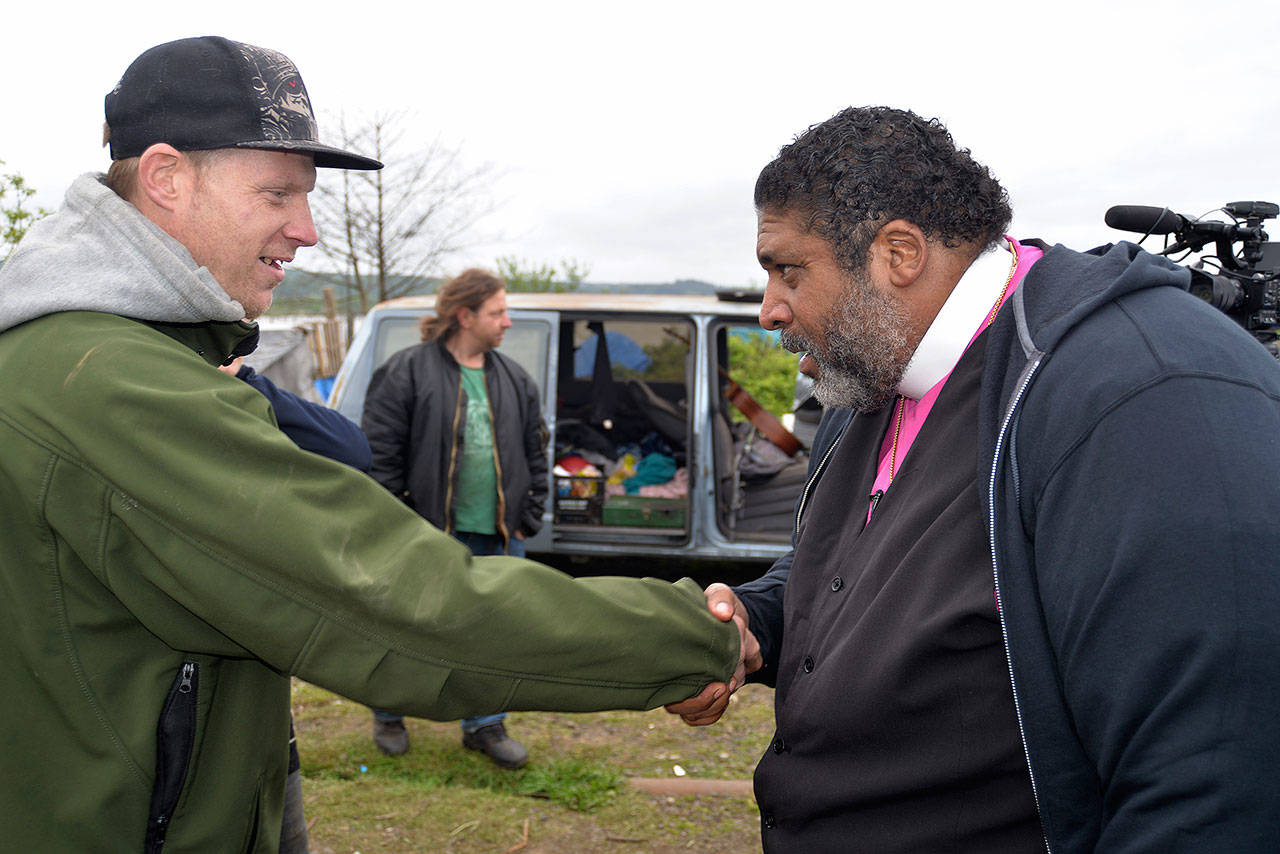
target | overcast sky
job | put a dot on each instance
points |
(628, 136)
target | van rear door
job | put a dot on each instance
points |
(531, 343)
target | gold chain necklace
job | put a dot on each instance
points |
(901, 403)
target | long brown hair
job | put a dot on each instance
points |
(468, 289)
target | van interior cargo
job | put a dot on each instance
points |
(624, 434)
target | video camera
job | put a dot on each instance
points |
(1245, 285)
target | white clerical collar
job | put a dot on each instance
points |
(970, 302)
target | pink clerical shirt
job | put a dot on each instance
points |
(914, 411)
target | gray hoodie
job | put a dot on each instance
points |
(99, 253)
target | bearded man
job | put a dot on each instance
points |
(1033, 599)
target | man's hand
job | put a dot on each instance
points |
(709, 704)
(725, 605)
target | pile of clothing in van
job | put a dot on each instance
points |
(646, 468)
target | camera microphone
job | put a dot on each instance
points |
(1145, 219)
(1242, 282)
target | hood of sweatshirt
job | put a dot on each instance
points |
(1062, 290)
(99, 253)
(1065, 287)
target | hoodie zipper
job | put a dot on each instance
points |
(175, 738)
(1027, 375)
(817, 473)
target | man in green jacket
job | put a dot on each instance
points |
(169, 558)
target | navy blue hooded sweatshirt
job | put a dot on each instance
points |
(313, 427)
(1129, 465)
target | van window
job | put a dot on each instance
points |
(394, 334)
(757, 482)
(760, 365)
(526, 342)
(646, 378)
(637, 350)
(623, 440)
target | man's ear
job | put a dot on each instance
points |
(901, 250)
(163, 176)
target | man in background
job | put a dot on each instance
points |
(456, 431)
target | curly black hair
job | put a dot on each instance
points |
(866, 166)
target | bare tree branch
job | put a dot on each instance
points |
(386, 230)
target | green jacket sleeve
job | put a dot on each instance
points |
(224, 538)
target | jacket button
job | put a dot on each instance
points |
(769, 823)
(808, 664)
(836, 584)
(779, 746)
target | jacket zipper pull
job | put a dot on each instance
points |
(188, 671)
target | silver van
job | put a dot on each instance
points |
(624, 378)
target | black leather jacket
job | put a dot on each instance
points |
(413, 423)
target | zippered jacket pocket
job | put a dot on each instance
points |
(175, 738)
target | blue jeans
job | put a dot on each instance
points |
(480, 545)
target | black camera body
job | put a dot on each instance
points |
(1243, 283)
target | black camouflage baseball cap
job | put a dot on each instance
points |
(209, 92)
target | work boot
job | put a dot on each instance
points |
(391, 737)
(493, 741)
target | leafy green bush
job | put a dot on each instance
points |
(14, 218)
(522, 275)
(764, 369)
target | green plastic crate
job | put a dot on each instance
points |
(635, 511)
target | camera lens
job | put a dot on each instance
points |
(1219, 291)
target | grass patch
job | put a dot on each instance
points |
(572, 795)
(574, 783)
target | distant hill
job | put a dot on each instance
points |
(302, 291)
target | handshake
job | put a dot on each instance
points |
(708, 705)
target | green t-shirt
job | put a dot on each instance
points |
(476, 507)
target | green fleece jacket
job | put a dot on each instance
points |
(168, 559)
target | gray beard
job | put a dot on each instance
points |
(861, 353)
